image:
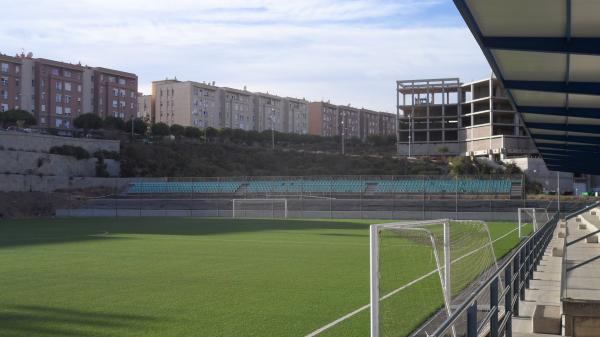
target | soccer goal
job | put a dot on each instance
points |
(419, 267)
(259, 208)
(531, 219)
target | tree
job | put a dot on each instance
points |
(88, 121)
(139, 127)
(14, 117)
(211, 132)
(192, 132)
(177, 130)
(115, 123)
(160, 129)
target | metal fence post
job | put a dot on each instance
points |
(515, 285)
(508, 308)
(472, 320)
(522, 267)
(494, 308)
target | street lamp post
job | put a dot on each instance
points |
(343, 133)
(273, 128)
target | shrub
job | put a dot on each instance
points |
(115, 123)
(73, 151)
(160, 129)
(139, 127)
(192, 132)
(177, 130)
(14, 117)
(88, 121)
(104, 154)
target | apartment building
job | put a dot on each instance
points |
(444, 116)
(237, 110)
(10, 83)
(349, 120)
(114, 93)
(186, 103)
(269, 112)
(376, 123)
(323, 119)
(58, 93)
(144, 103)
(295, 114)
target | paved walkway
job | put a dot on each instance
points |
(544, 289)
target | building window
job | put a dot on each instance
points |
(67, 99)
(66, 73)
(67, 110)
(122, 92)
(3, 107)
(79, 88)
(58, 85)
(122, 104)
(59, 110)
(58, 98)
(43, 120)
(111, 79)
(4, 81)
(55, 72)
(115, 92)
(58, 123)
(4, 67)
(4, 94)
(115, 104)
(122, 81)
(43, 108)
(67, 86)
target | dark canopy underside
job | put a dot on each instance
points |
(547, 55)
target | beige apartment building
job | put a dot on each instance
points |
(185, 103)
(269, 112)
(237, 109)
(377, 123)
(326, 119)
(295, 114)
(144, 107)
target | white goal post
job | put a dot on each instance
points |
(241, 206)
(445, 257)
(537, 217)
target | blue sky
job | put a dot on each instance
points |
(349, 51)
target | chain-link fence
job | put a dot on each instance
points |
(375, 197)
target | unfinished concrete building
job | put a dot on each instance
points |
(446, 117)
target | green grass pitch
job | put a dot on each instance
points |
(186, 277)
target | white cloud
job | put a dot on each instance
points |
(346, 51)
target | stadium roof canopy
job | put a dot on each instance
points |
(547, 55)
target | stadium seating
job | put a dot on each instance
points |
(324, 186)
(329, 186)
(184, 187)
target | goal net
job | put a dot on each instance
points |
(530, 220)
(259, 208)
(419, 269)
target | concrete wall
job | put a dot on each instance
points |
(26, 183)
(535, 169)
(42, 143)
(431, 149)
(35, 163)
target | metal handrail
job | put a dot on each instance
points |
(522, 261)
